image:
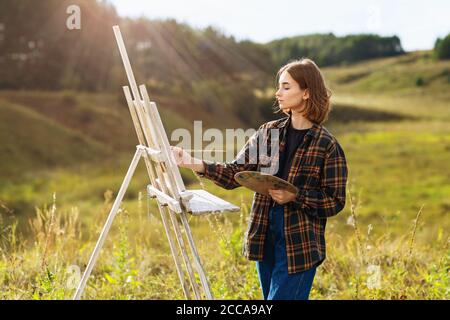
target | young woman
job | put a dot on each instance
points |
(286, 232)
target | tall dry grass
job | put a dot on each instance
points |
(136, 262)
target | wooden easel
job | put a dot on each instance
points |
(166, 186)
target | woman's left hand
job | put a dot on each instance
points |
(282, 196)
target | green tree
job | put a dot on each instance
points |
(327, 49)
(442, 48)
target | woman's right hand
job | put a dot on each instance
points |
(182, 158)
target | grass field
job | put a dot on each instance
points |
(391, 241)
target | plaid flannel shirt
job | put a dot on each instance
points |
(318, 170)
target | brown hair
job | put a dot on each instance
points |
(308, 76)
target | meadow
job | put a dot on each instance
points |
(391, 241)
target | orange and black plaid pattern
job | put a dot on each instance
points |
(319, 171)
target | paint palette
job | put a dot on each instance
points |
(262, 182)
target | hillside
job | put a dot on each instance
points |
(412, 73)
(414, 85)
(31, 141)
(68, 122)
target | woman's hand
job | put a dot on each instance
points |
(184, 160)
(281, 196)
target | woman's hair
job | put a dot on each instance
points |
(308, 76)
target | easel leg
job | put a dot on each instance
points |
(196, 256)
(182, 247)
(107, 226)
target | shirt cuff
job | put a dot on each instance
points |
(299, 198)
(210, 169)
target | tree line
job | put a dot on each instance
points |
(328, 49)
(38, 51)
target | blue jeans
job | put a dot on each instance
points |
(275, 281)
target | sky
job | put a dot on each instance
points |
(417, 23)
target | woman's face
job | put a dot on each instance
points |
(289, 93)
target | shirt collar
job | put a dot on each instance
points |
(313, 131)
